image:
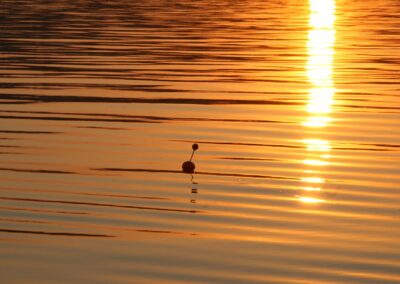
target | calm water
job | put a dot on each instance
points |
(295, 105)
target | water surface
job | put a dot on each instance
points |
(296, 108)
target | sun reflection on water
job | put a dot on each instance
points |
(320, 46)
(310, 199)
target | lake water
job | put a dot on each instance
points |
(295, 106)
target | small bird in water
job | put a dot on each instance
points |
(188, 166)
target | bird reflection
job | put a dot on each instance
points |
(320, 45)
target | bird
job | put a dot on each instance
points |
(188, 166)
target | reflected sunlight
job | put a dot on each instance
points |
(315, 162)
(310, 188)
(322, 13)
(320, 46)
(310, 199)
(321, 40)
(317, 145)
(316, 121)
(313, 180)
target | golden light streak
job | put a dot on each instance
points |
(320, 99)
(317, 145)
(322, 13)
(317, 121)
(310, 188)
(313, 180)
(320, 46)
(315, 162)
(310, 199)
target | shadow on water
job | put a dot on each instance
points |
(98, 204)
(96, 99)
(113, 118)
(63, 234)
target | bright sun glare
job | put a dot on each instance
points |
(320, 46)
(321, 40)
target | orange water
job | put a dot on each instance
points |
(296, 108)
